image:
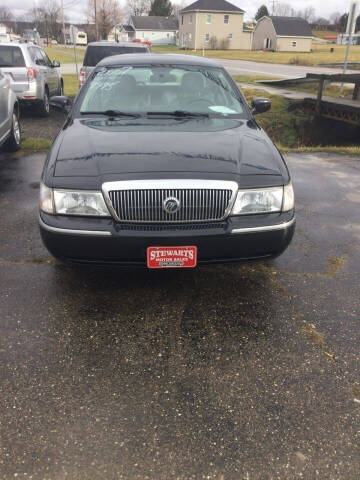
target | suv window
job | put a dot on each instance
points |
(47, 60)
(96, 53)
(11, 56)
(37, 56)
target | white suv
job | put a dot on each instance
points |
(33, 76)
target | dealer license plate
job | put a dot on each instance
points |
(171, 257)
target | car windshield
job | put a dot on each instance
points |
(11, 56)
(95, 53)
(161, 89)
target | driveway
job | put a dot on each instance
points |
(221, 373)
(244, 67)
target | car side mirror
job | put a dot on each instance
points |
(61, 102)
(55, 63)
(260, 105)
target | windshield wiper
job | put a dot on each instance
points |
(180, 113)
(112, 113)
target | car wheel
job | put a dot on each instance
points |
(13, 143)
(44, 105)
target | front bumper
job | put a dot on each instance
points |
(104, 241)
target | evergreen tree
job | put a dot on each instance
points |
(262, 12)
(161, 8)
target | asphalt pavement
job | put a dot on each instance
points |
(223, 373)
(245, 67)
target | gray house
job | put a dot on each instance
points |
(282, 34)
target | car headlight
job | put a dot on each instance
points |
(72, 202)
(264, 200)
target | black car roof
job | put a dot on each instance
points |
(156, 59)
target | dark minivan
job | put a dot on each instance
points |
(161, 164)
(97, 51)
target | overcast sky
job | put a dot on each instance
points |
(75, 9)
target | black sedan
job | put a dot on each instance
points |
(160, 163)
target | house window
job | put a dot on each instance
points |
(293, 44)
(207, 37)
(182, 19)
(208, 18)
(190, 19)
(230, 35)
(226, 19)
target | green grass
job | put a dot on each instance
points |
(284, 128)
(34, 145)
(71, 85)
(330, 90)
(255, 79)
(297, 131)
(64, 55)
(319, 54)
(324, 33)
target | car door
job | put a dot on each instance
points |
(38, 59)
(5, 119)
(52, 74)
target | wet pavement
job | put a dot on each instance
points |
(238, 372)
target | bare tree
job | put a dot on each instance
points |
(138, 7)
(177, 7)
(283, 10)
(335, 18)
(5, 14)
(109, 14)
(307, 14)
(47, 16)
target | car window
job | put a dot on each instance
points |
(11, 56)
(40, 60)
(94, 54)
(162, 89)
(47, 60)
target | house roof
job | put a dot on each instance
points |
(154, 23)
(212, 6)
(128, 28)
(291, 26)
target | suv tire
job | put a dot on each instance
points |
(43, 108)
(13, 143)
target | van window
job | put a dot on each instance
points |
(94, 54)
(11, 56)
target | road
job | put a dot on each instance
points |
(232, 373)
(243, 67)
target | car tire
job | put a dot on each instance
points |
(43, 108)
(13, 143)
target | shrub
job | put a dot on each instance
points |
(213, 42)
(224, 44)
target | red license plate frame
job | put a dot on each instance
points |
(181, 256)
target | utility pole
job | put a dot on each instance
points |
(63, 21)
(96, 22)
(350, 28)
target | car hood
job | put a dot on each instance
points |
(104, 148)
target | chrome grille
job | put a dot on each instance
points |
(202, 203)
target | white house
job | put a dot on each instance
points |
(157, 30)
